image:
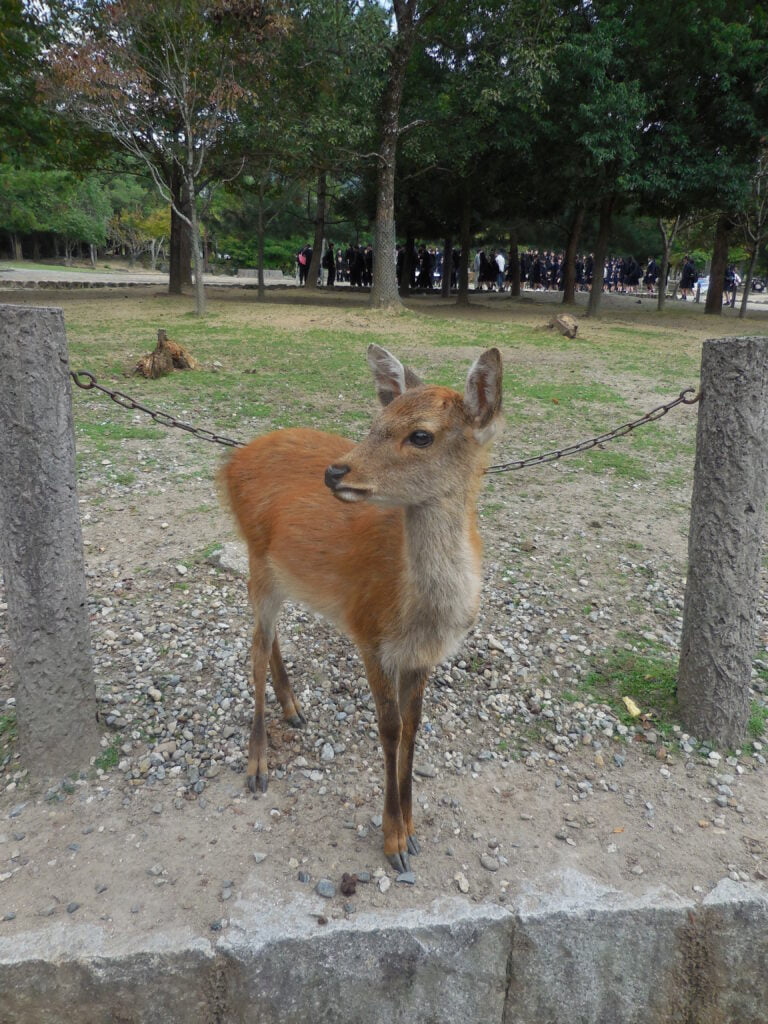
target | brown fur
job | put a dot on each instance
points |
(395, 564)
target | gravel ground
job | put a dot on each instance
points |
(520, 773)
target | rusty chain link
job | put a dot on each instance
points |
(85, 380)
(163, 418)
(593, 442)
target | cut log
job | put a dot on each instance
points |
(167, 356)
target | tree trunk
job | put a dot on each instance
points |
(569, 273)
(41, 548)
(725, 540)
(18, 254)
(667, 240)
(714, 303)
(445, 284)
(384, 293)
(465, 229)
(404, 284)
(260, 237)
(198, 261)
(315, 267)
(747, 283)
(513, 267)
(180, 254)
(601, 251)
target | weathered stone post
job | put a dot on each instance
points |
(725, 540)
(41, 549)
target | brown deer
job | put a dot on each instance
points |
(394, 562)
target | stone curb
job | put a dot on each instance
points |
(573, 951)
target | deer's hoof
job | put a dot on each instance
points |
(400, 862)
(298, 721)
(257, 783)
(413, 845)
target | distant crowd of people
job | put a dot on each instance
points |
(540, 270)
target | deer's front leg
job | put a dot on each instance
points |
(411, 694)
(390, 731)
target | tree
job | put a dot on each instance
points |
(163, 78)
(752, 219)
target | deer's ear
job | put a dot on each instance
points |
(389, 374)
(482, 396)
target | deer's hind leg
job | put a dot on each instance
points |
(292, 712)
(266, 606)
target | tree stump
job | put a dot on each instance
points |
(567, 325)
(166, 357)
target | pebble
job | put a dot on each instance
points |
(461, 882)
(384, 884)
(259, 858)
(488, 862)
(325, 888)
(407, 877)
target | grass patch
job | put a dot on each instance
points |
(757, 724)
(8, 735)
(107, 433)
(109, 757)
(650, 680)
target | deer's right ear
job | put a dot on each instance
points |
(389, 374)
(482, 396)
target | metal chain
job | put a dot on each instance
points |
(85, 380)
(88, 383)
(593, 442)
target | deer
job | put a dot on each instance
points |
(378, 537)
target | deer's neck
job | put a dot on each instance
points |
(442, 584)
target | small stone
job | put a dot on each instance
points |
(259, 858)
(325, 888)
(327, 753)
(461, 882)
(407, 877)
(384, 884)
(303, 877)
(10, 916)
(425, 771)
(72, 907)
(488, 862)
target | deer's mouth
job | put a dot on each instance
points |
(346, 493)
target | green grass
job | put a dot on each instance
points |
(757, 724)
(109, 758)
(8, 735)
(649, 679)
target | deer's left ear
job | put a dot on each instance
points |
(389, 374)
(482, 396)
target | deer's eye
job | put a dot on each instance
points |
(421, 439)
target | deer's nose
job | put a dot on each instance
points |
(334, 475)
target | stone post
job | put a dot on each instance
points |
(725, 540)
(41, 551)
